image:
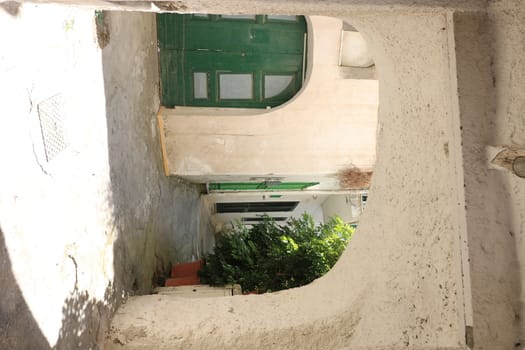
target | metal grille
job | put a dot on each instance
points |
(254, 207)
(261, 219)
(51, 114)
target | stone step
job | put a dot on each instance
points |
(182, 281)
(200, 291)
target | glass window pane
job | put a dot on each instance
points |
(200, 85)
(235, 86)
(282, 18)
(252, 17)
(276, 84)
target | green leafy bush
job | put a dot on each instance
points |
(271, 257)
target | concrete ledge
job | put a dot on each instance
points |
(199, 291)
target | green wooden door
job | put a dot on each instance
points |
(230, 61)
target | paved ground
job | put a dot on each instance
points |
(99, 220)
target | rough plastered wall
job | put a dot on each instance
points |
(327, 127)
(507, 24)
(100, 220)
(491, 76)
(399, 283)
(329, 8)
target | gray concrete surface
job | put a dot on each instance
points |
(100, 221)
(158, 215)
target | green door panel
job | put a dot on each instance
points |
(171, 70)
(255, 47)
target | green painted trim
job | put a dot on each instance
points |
(260, 186)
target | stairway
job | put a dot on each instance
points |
(185, 274)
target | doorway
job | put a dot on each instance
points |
(246, 61)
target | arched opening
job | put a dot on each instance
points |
(315, 152)
(398, 257)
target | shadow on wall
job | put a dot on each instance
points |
(11, 7)
(18, 328)
(84, 321)
(155, 217)
(497, 306)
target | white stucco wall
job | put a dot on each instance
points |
(100, 220)
(309, 202)
(327, 127)
(400, 282)
(346, 206)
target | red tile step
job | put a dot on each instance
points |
(186, 269)
(185, 274)
(182, 281)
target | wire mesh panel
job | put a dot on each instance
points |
(51, 114)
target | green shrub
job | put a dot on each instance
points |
(271, 257)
